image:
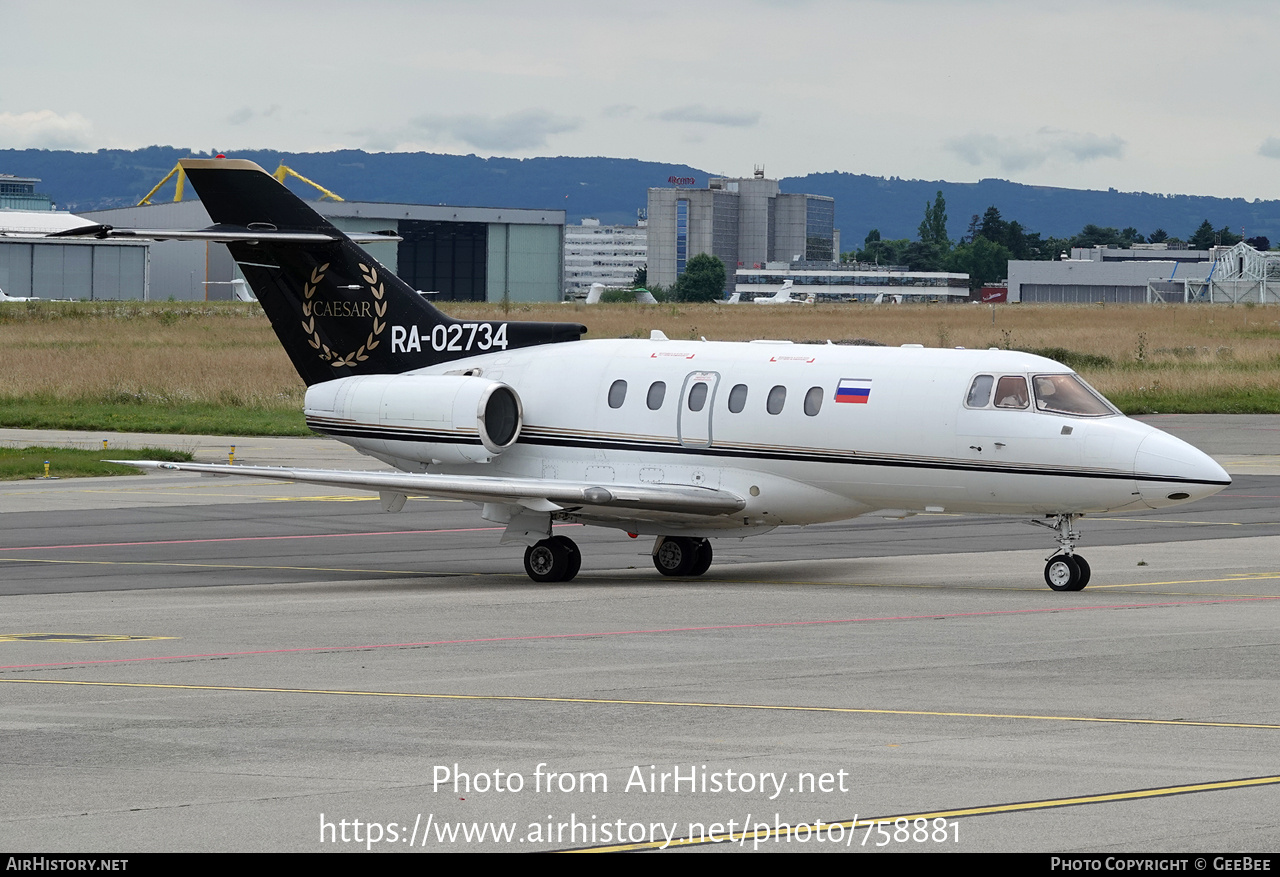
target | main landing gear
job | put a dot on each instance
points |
(682, 556)
(1065, 570)
(558, 559)
(553, 560)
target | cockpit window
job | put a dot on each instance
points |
(1067, 394)
(1011, 392)
(980, 391)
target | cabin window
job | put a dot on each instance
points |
(738, 398)
(698, 396)
(1067, 394)
(813, 401)
(617, 394)
(1011, 392)
(980, 391)
(777, 398)
(657, 392)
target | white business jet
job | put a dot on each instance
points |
(642, 296)
(681, 440)
(783, 297)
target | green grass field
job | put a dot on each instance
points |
(17, 464)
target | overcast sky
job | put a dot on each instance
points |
(1170, 96)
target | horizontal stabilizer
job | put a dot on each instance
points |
(223, 234)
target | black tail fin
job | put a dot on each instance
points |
(334, 308)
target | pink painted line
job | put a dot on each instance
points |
(249, 539)
(547, 636)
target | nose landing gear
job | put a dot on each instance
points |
(1065, 570)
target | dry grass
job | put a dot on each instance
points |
(1149, 350)
(1121, 333)
(164, 354)
(227, 354)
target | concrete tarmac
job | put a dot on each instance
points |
(218, 664)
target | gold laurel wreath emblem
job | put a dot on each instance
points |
(334, 358)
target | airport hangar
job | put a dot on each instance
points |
(462, 253)
(32, 265)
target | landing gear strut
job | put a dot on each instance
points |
(553, 560)
(1065, 570)
(682, 556)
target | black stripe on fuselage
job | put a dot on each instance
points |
(855, 458)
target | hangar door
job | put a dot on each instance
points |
(445, 257)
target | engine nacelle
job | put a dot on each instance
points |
(424, 418)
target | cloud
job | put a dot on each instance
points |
(247, 114)
(1084, 146)
(524, 130)
(45, 129)
(1270, 147)
(1047, 144)
(979, 149)
(707, 116)
(617, 111)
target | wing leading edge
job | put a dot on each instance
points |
(534, 493)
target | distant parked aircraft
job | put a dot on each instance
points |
(783, 297)
(240, 290)
(643, 296)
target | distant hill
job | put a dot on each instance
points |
(612, 189)
(896, 206)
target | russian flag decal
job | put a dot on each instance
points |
(856, 390)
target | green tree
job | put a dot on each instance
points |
(1203, 237)
(642, 276)
(1051, 248)
(1206, 237)
(933, 228)
(703, 279)
(984, 261)
(992, 227)
(921, 256)
(1095, 236)
(882, 252)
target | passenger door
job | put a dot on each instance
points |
(697, 402)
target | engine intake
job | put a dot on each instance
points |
(424, 418)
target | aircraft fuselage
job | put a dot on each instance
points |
(802, 433)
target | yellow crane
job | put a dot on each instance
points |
(280, 174)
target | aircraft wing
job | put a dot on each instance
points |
(537, 494)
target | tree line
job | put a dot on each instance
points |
(991, 241)
(704, 279)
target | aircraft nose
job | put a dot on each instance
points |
(1170, 471)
